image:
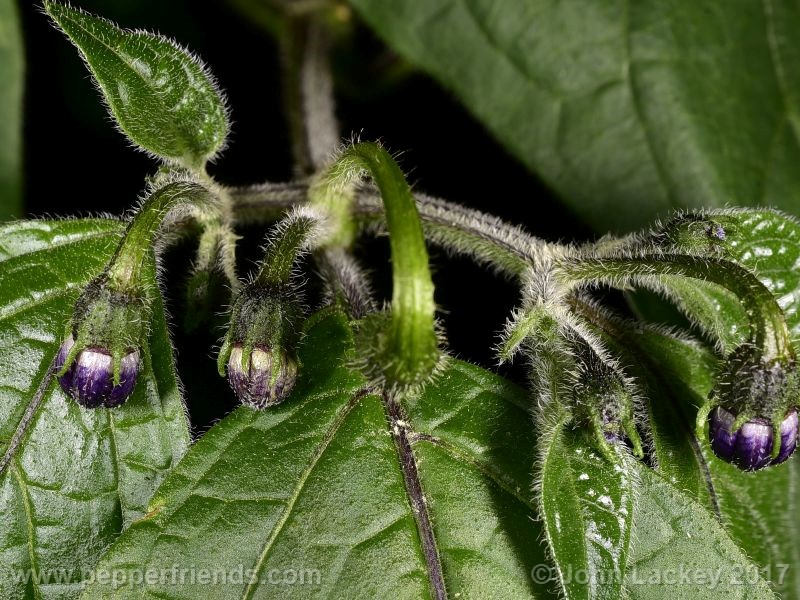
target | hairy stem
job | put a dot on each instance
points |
(294, 236)
(489, 240)
(768, 324)
(411, 344)
(308, 90)
(170, 203)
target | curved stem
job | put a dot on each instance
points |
(293, 237)
(172, 202)
(768, 324)
(412, 343)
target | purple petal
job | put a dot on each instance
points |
(754, 445)
(789, 428)
(90, 378)
(723, 438)
(128, 373)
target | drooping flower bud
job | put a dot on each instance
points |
(99, 361)
(259, 352)
(753, 422)
(750, 447)
(89, 380)
(606, 398)
(268, 379)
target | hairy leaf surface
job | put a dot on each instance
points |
(162, 97)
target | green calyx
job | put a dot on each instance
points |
(604, 398)
(263, 318)
(113, 322)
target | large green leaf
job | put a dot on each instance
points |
(336, 494)
(12, 78)
(627, 109)
(70, 479)
(162, 97)
(333, 487)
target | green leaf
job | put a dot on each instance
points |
(70, 479)
(12, 76)
(162, 97)
(626, 109)
(587, 504)
(322, 487)
(681, 551)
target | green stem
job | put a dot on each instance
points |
(412, 343)
(487, 239)
(174, 200)
(294, 235)
(767, 321)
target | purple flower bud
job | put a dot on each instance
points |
(750, 447)
(89, 380)
(267, 382)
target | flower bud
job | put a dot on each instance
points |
(259, 350)
(99, 361)
(89, 379)
(266, 381)
(694, 232)
(750, 447)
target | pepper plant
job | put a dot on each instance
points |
(366, 460)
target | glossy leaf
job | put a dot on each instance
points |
(70, 479)
(315, 487)
(681, 551)
(309, 498)
(626, 109)
(12, 77)
(161, 96)
(587, 504)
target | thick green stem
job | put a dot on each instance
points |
(171, 202)
(768, 324)
(412, 343)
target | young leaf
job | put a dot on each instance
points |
(70, 479)
(12, 76)
(587, 505)
(626, 109)
(330, 494)
(162, 97)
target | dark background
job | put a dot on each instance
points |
(78, 164)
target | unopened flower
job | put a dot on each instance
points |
(750, 446)
(89, 379)
(263, 380)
